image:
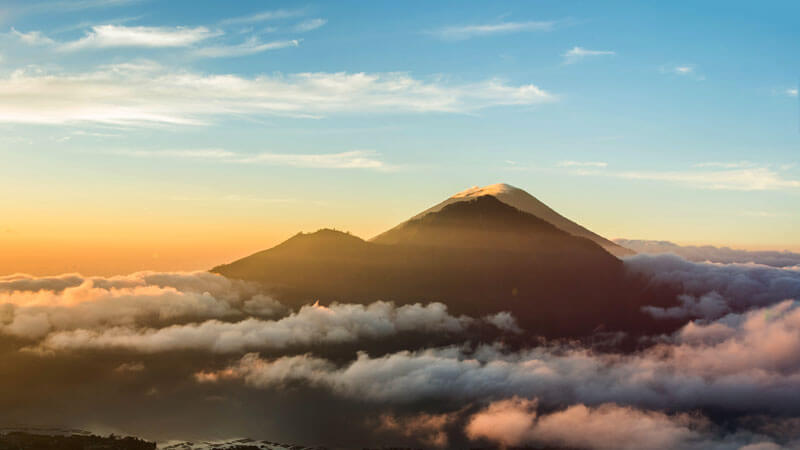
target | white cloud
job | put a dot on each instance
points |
(791, 92)
(753, 179)
(104, 36)
(726, 165)
(713, 176)
(346, 160)
(742, 362)
(723, 255)
(264, 16)
(470, 31)
(309, 25)
(354, 159)
(32, 37)
(576, 54)
(710, 289)
(311, 325)
(597, 164)
(683, 70)
(248, 47)
(32, 307)
(145, 93)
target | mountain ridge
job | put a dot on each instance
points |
(480, 256)
(525, 202)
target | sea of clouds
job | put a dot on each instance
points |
(197, 355)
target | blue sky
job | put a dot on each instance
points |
(660, 120)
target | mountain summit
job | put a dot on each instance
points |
(474, 252)
(523, 201)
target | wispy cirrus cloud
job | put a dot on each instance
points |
(146, 93)
(309, 25)
(249, 47)
(353, 159)
(264, 16)
(357, 159)
(750, 179)
(104, 36)
(726, 165)
(683, 70)
(461, 32)
(116, 36)
(32, 37)
(576, 54)
(597, 164)
(736, 176)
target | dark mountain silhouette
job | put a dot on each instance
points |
(479, 256)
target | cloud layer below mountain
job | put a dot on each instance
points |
(724, 255)
(709, 290)
(202, 348)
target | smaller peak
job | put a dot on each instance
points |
(492, 189)
(324, 234)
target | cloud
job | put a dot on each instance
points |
(515, 422)
(354, 159)
(145, 93)
(312, 325)
(791, 92)
(505, 321)
(32, 307)
(724, 255)
(726, 165)
(506, 422)
(711, 305)
(709, 290)
(309, 25)
(731, 179)
(346, 160)
(427, 428)
(742, 363)
(596, 164)
(32, 37)
(756, 179)
(683, 70)
(264, 16)
(248, 47)
(148, 312)
(576, 54)
(469, 31)
(109, 36)
(176, 343)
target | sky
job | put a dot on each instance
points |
(180, 135)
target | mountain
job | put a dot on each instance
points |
(523, 201)
(479, 256)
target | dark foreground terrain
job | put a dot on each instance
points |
(18, 440)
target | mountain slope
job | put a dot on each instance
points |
(479, 256)
(523, 201)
